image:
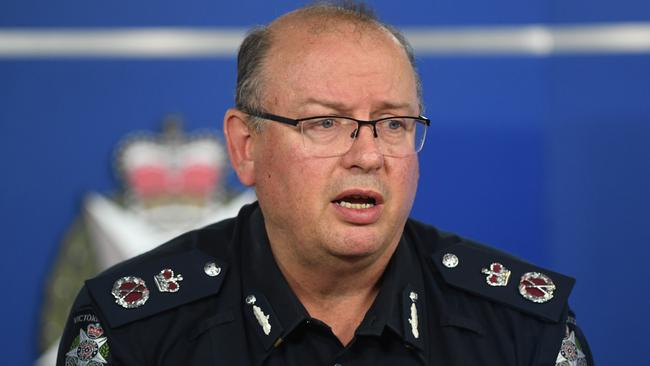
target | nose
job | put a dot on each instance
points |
(364, 153)
(371, 124)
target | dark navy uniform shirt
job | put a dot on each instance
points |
(216, 297)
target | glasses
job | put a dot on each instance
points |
(327, 136)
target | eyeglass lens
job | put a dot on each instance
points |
(333, 136)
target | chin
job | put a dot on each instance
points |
(356, 247)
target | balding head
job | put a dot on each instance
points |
(312, 21)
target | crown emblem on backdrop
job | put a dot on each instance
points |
(172, 172)
(171, 182)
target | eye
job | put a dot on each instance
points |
(395, 124)
(325, 123)
(322, 125)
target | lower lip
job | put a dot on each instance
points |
(363, 216)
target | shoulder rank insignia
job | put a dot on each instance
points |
(535, 293)
(167, 282)
(536, 287)
(497, 274)
(131, 292)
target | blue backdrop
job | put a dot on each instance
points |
(544, 156)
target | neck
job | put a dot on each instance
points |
(338, 292)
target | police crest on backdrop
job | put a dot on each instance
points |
(172, 182)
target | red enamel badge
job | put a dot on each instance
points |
(536, 287)
(497, 275)
(166, 281)
(130, 292)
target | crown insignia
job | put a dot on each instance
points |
(497, 274)
(166, 281)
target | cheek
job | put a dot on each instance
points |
(282, 173)
(407, 179)
(308, 176)
(415, 175)
(270, 173)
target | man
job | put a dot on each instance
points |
(326, 269)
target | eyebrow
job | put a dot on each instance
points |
(337, 106)
(340, 107)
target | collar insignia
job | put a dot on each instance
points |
(413, 320)
(262, 318)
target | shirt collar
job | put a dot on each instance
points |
(391, 310)
(263, 282)
(401, 287)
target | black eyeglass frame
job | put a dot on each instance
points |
(373, 123)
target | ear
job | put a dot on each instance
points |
(240, 145)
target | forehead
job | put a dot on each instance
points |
(338, 63)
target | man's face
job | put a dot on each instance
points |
(364, 75)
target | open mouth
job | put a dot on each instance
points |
(356, 201)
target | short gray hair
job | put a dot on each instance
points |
(255, 47)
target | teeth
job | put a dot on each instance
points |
(358, 206)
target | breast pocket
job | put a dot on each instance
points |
(465, 342)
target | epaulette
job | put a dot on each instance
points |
(505, 279)
(150, 284)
